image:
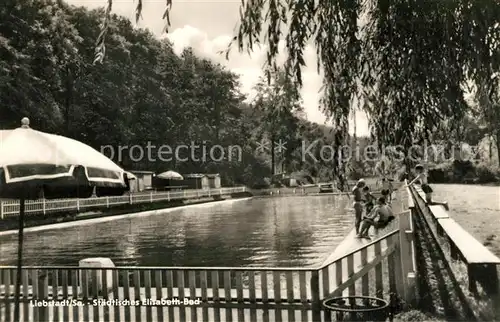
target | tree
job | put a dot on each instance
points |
(279, 103)
(487, 108)
(407, 60)
(144, 95)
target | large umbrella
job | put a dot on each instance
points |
(35, 164)
(170, 175)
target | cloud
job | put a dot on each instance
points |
(249, 67)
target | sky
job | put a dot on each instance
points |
(207, 27)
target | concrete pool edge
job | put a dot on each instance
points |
(111, 217)
(347, 245)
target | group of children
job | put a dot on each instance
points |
(371, 211)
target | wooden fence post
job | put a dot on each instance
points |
(486, 275)
(412, 293)
(151, 196)
(77, 204)
(315, 298)
(407, 256)
(43, 206)
(43, 289)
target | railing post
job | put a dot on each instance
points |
(151, 196)
(77, 204)
(488, 278)
(453, 250)
(471, 275)
(1, 210)
(43, 205)
(315, 298)
(168, 195)
(406, 251)
(107, 202)
(130, 198)
(484, 274)
(43, 311)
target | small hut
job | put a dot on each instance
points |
(214, 181)
(196, 181)
(144, 180)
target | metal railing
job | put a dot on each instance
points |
(43, 206)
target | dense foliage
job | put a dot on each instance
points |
(408, 61)
(144, 95)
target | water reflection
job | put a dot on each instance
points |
(288, 231)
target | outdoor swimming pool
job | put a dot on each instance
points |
(284, 231)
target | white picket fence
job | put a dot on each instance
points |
(43, 206)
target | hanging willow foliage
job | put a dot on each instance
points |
(406, 60)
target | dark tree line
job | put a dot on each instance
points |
(408, 61)
(144, 94)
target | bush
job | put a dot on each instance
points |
(261, 183)
(438, 176)
(357, 174)
(463, 172)
(486, 174)
(416, 316)
(461, 168)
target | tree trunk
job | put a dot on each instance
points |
(273, 157)
(68, 100)
(490, 147)
(497, 139)
(408, 163)
(216, 108)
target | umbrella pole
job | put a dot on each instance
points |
(19, 258)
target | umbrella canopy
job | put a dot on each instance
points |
(32, 161)
(170, 175)
(35, 164)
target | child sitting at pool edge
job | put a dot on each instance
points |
(380, 216)
(369, 200)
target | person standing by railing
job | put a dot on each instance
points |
(422, 179)
(358, 202)
(387, 189)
